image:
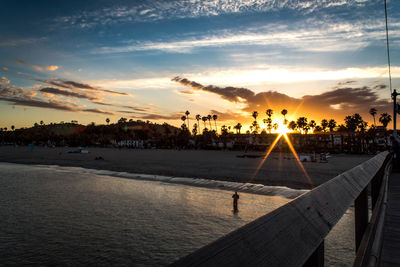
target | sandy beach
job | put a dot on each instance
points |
(278, 169)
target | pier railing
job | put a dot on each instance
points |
(293, 235)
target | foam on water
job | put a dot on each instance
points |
(282, 191)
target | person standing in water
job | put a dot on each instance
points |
(235, 201)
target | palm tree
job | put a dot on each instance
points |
(385, 119)
(215, 117)
(373, 111)
(332, 125)
(284, 112)
(209, 120)
(255, 115)
(204, 119)
(302, 123)
(324, 124)
(292, 125)
(41, 122)
(275, 126)
(108, 121)
(187, 116)
(198, 118)
(312, 124)
(269, 112)
(238, 127)
(12, 127)
(183, 118)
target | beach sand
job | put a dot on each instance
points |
(278, 169)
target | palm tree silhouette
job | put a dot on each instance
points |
(312, 125)
(187, 117)
(373, 111)
(215, 117)
(269, 112)
(12, 127)
(255, 115)
(204, 119)
(292, 125)
(183, 118)
(198, 118)
(284, 112)
(385, 119)
(238, 127)
(41, 122)
(108, 120)
(324, 124)
(302, 123)
(209, 120)
(332, 125)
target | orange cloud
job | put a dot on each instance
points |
(51, 67)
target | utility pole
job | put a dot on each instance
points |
(394, 95)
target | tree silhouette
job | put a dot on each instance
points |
(269, 112)
(108, 121)
(292, 125)
(187, 117)
(183, 118)
(302, 123)
(385, 119)
(238, 127)
(312, 124)
(209, 121)
(284, 112)
(373, 111)
(324, 124)
(198, 118)
(332, 125)
(204, 119)
(41, 122)
(215, 117)
(12, 127)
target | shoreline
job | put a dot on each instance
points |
(259, 189)
(279, 169)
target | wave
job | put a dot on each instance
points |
(261, 189)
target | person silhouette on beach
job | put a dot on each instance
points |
(235, 201)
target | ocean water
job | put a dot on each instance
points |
(53, 215)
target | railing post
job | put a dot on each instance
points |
(361, 215)
(317, 258)
(376, 187)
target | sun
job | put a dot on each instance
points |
(282, 128)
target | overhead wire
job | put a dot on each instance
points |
(387, 48)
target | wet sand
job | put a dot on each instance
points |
(279, 169)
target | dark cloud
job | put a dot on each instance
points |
(38, 103)
(96, 110)
(232, 94)
(77, 85)
(57, 91)
(342, 99)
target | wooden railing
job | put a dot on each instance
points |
(293, 235)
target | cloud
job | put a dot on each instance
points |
(96, 110)
(39, 103)
(330, 36)
(78, 85)
(4, 68)
(339, 101)
(57, 91)
(51, 67)
(149, 11)
(4, 81)
(35, 67)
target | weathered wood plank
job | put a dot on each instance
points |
(289, 235)
(390, 253)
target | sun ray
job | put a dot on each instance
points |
(266, 156)
(297, 158)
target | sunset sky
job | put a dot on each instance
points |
(153, 60)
